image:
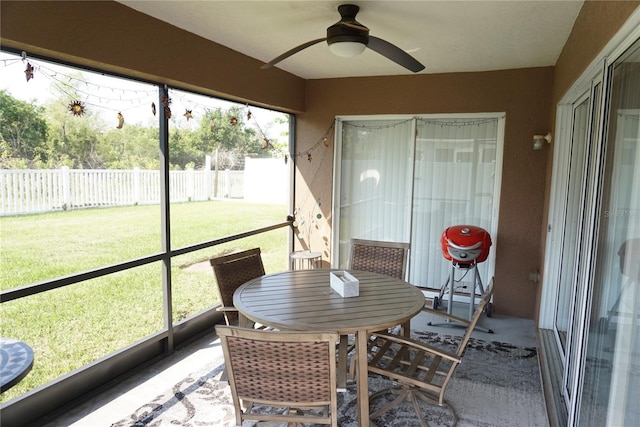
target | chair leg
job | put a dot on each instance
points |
(401, 396)
(224, 378)
(342, 362)
(416, 407)
(445, 405)
(414, 395)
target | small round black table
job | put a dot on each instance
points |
(16, 360)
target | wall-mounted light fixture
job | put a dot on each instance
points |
(538, 139)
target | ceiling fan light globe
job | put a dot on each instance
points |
(347, 49)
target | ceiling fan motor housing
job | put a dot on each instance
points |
(348, 29)
(338, 34)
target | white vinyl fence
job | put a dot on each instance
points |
(45, 190)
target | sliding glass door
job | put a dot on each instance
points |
(572, 223)
(407, 179)
(591, 296)
(611, 375)
(575, 229)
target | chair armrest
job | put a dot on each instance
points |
(419, 345)
(446, 316)
(242, 319)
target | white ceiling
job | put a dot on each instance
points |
(446, 36)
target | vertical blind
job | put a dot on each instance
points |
(408, 180)
(375, 192)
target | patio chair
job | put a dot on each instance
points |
(281, 376)
(422, 371)
(231, 271)
(388, 258)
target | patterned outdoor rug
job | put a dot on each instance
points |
(496, 384)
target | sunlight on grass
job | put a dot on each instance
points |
(79, 324)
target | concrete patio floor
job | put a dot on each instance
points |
(116, 402)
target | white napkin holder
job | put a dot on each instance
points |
(344, 284)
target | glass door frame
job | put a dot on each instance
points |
(598, 72)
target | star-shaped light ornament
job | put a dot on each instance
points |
(249, 115)
(265, 143)
(188, 114)
(233, 121)
(77, 108)
(29, 71)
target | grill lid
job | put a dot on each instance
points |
(465, 244)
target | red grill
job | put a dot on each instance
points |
(465, 244)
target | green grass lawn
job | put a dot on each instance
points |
(73, 326)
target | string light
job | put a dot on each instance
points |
(29, 71)
(78, 87)
(264, 138)
(77, 108)
(439, 122)
(458, 123)
(9, 61)
(73, 87)
(323, 140)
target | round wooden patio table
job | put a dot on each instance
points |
(303, 300)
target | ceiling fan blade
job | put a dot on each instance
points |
(395, 54)
(291, 52)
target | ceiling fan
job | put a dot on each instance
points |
(348, 37)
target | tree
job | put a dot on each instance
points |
(182, 151)
(75, 138)
(224, 132)
(23, 130)
(132, 146)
